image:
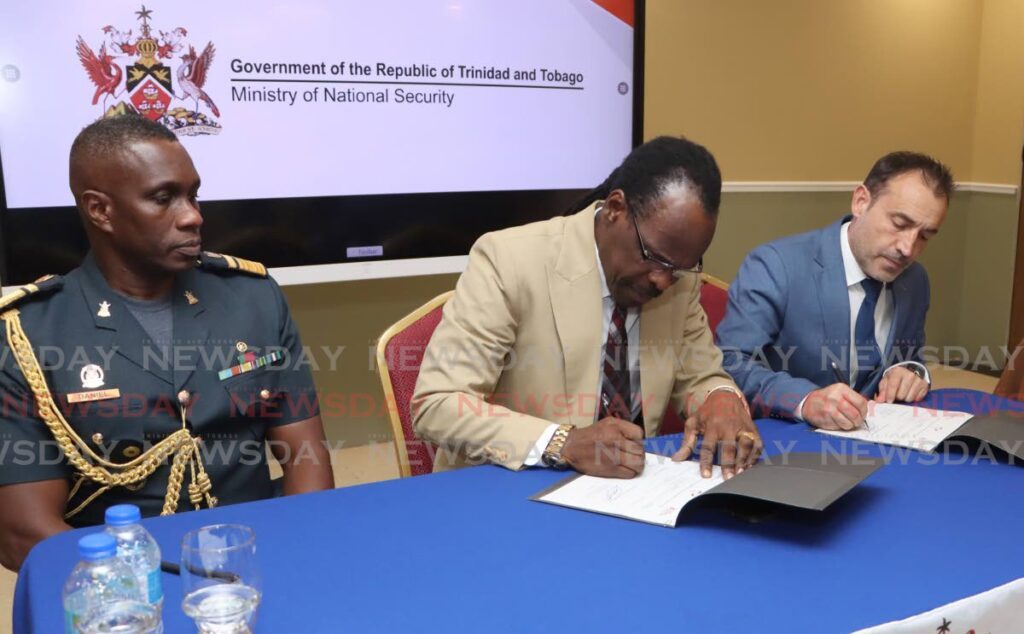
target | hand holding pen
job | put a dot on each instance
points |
(841, 379)
(835, 407)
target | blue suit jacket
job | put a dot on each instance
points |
(788, 318)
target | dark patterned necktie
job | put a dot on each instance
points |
(617, 397)
(869, 357)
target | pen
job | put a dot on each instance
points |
(607, 404)
(837, 373)
(839, 379)
(175, 569)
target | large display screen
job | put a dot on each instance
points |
(325, 131)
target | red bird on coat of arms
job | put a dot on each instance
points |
(192, 76)
(101, 69)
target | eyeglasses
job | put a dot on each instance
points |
(663, 265)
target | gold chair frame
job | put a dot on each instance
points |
(401, 453)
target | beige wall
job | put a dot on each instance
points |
(799, 90)
(353, 315)
(789, 90)
(999, 115)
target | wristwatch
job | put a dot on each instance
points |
(552, 455)
(917, 369)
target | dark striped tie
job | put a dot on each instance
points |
(617, 397)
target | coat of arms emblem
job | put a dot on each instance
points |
(163, 76)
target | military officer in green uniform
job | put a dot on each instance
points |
(155, 373)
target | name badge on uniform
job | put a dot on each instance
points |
(249, 366)
(95, 395)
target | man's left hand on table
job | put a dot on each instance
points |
(724, 421)
(901, 384)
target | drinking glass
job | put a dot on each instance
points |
(220, 578)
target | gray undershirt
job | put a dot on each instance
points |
(155, 317)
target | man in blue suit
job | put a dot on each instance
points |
(820, 322)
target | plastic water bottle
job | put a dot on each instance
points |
(137, 549)
(101, 594)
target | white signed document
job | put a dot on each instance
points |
(909, 426)
(656, 496)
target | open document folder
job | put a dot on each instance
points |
(924, 429)
(659, 494)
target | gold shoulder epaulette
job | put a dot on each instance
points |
(219, 261)
(45, 284)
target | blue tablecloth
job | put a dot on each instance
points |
(468, 551)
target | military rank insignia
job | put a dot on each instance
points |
(248, 362)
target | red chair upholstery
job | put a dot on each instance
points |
(399, 355)
(714, 295)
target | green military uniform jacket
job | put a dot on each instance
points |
(236, 357)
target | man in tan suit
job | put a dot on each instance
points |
(566, 339)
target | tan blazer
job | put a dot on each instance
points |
(519, 347)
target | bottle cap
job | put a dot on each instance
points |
(97, 546)
(122, 514)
